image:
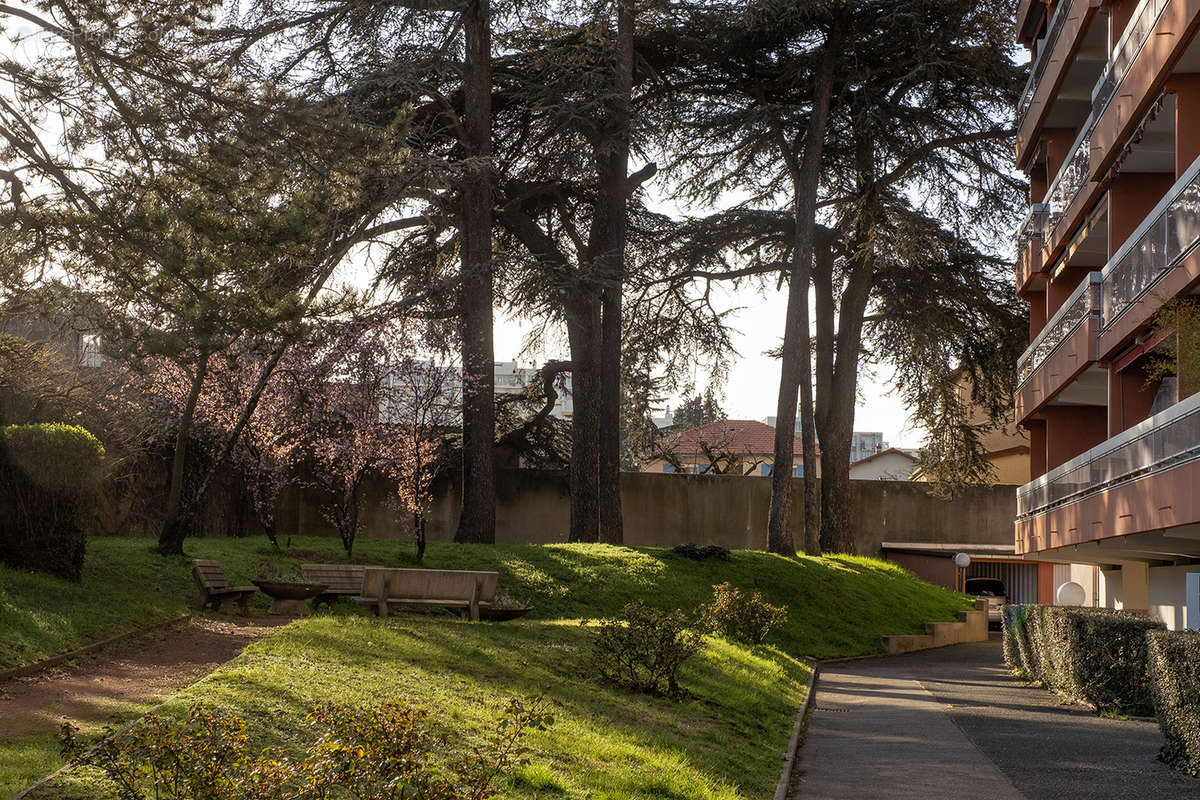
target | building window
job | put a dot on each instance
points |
(90, 351)
(766, 469)
(668, 468)
(798, 471)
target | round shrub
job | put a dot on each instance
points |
(644, 647)
(47, 473)
(741, 616)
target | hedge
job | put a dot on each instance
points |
(1175, 679)
(46, 475)
(1095, 656)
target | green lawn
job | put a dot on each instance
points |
(725, 741)
(839, 606)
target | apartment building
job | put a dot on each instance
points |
(1109, 134)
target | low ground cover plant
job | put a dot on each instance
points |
(1174, 659)
(382, 753)
(1095, 656)
(642, 648)
(740, 615)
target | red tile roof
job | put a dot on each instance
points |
(745, 437)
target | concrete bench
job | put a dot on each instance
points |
(340, 580)
(215, 589)
(464, 590)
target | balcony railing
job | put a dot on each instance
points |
(1071, 178)
(1165, 236)
(1166, 440)
(1038, 68)
(1136, 34)
(1084, 301)
(1032, 226)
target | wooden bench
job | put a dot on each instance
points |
(215, 589)
(466, 590)
(341, 580)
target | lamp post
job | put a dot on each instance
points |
(961, 562)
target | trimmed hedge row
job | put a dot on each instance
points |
(46, 475)
(1091, 655)
(1175, 679)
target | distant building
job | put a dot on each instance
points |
(892, 464)
(862, 444)
(727, 446)
(514, 379)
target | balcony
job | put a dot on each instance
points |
(1037, 69)
(1067, 184)
(1167, 235)
(1136, 34)
(1066, 346)
(1141, 480)
(1029, 241)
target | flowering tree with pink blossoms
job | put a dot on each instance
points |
(367, 410)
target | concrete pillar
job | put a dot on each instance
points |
(1135, 587)
(1058, 143)
(1070, 430)
(1037, 313)
(1129, 398)
(1186, 88)
(1037, 447)
(1045, 586)
(1131, 196)
(1119, 14)
(1060, 288)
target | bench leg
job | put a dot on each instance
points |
(243, 603)
(475, 603)
(381, 608)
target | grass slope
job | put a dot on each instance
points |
(725, 741)
(839, 606)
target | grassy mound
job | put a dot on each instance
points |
(838, 606)
(724, 741)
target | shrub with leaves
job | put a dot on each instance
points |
(741, 616)
(47, 474)
(1091, 655)
(1175, 680)
(381, 753)
(643, 648)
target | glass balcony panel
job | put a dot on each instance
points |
(1166, 440)
(1183, 222)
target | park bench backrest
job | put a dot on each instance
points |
(430, 584)
(338, 578)
(209, 574)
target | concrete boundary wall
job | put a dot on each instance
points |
(671, 509)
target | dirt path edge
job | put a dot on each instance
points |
(26, 670)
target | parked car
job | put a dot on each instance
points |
(995, 592)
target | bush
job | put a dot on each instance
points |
(740, 616)
(1175, 681)
(375, 754)
(643, 647)
(47, 475)
(701, 552)
(1091, 655)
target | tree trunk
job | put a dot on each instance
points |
(613, 168)
(174, 529)
(837, 424)
(419, 532)
(583, 332)
(478, 520)
(796, 366)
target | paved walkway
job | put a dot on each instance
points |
(953, 723)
